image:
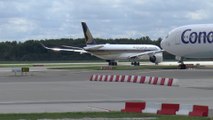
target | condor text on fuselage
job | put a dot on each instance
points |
(190, 41)
(190, 37)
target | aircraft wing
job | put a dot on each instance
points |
(150, 53)
(72, 47)
(96, 47)
(65, 49)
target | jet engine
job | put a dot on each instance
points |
(157, 58)
(152, 59)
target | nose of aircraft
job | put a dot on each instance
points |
(163, 44)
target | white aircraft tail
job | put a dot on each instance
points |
(88, 36)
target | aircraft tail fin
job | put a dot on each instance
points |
(88, 36)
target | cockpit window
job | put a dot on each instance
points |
(167, 36)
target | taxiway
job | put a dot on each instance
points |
(44, 90)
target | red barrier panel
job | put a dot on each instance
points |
(199, 111)
(162, 81)
(100, 78)
(96, 78)
(106, 78)
(129, 78)
(170, 82)
(122, 78)
(155, 81)
(135, 79)
(142, 79)
(111, 78)
(134, 107)
(117, 78)
(168, 109)
(91, 78)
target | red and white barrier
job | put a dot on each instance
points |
(166, 108)
(152, 107)
(184, 109)
(135, 79)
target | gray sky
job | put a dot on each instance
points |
(22, 20)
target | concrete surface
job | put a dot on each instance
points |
(44, 90)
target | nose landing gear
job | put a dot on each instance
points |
(181, 65)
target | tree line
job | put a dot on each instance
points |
(32, 50)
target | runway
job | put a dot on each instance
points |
(44, 90)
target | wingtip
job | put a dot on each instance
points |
(43, 46)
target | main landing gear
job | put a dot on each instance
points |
(182, 66)
(135, 63)
(112, 63)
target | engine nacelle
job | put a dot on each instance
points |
(157, 58)
(152, 59)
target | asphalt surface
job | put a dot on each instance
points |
(44, 90)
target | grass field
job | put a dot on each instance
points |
(84, 65)
(87, 115)
(121, 67)
(92, 65)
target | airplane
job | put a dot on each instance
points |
(190, 41)
(113, 52)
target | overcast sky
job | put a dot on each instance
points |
(22, 20)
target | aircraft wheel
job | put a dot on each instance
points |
(182, 66)
(113, 63)
(138, 63)
(135, 63)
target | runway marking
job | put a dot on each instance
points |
(100, 108)
(154, 71)
(179, 70)
(201, 88)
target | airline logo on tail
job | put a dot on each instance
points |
(88, 36)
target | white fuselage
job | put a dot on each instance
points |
(120, 51)
(192, 41)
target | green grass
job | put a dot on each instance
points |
(93, 67)
(47, 64)
(87, 66)
(76, 115)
